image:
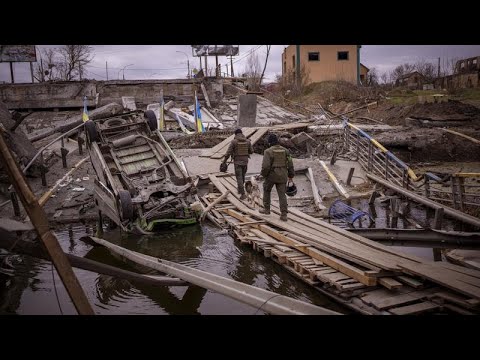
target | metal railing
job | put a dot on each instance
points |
(460, 191)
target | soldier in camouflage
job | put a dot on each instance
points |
(277, 169)
(240, 149)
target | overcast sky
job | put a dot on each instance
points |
(170, 61)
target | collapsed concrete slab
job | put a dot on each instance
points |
(100, 113)
(18, 142)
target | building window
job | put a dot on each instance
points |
(342, 55)
(313, 56)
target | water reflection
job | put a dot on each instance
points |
(173, 245)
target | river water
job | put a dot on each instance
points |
(30, 286)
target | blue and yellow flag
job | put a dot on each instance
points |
(198, 116)
(85, 110)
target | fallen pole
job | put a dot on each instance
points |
(427, 202)
(359, 108)
(33, 249)
(209, 207)
(40, 222)
(316, 196)
(46, 196)
(335, 182)
(262, 299)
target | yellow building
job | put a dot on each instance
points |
(318, 63)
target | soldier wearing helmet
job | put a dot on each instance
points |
(240, 149)
(277, 169)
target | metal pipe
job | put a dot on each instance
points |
(263, 299)
(427, 202)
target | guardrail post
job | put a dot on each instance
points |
(370, 156)
(461, 191)
(357, 147)
(386, 166)
(437, 225)
(16, 206)
(80, 142)
(454, 197)
(427, 186)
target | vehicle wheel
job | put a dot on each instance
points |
(91, 130)
(126, 205)
(151, 120)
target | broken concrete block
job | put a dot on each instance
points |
(128, 103)
(302, 138)
(247, 110)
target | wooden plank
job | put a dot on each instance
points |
(218, 154)
(316, 196)
(461, 269)
(351, 287)
(359, 245)
(334, 277)
(410, 281)
(458, 310)
(325, 258)
(447, 279)
(455, 299)
(389, 283)
(415, 308)
(258, 135)
(313, 237)
(403, 299)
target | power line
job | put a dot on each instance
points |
(251, 51)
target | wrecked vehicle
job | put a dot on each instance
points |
(141, 185)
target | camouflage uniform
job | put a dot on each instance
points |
(240, 149)
(277, 167)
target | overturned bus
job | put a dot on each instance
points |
(141, 186)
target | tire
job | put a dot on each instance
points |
(125, 205)
(91, 130)
(151, 120)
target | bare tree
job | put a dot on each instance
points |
(372, 77)
(253, 71)
(75, 58)
(266, 61)
(384, 78)
(427, 69)
(45, 68)
(66, 63)
(401, 70)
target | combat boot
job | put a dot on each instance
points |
(264, 211)
(283, 217)
(243, 197)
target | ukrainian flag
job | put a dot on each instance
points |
(198, 116)
(85, 110)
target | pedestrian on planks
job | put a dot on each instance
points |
(277, 169)
(240, 149)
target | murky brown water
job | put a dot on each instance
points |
(27, 284)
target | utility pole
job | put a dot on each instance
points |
(39, 220)
(11, 72)
(226, 67)
(200, 63)
(231, 66)
(438, 74)
(106, 69)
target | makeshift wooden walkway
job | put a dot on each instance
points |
(366, 276)
(254, 134)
